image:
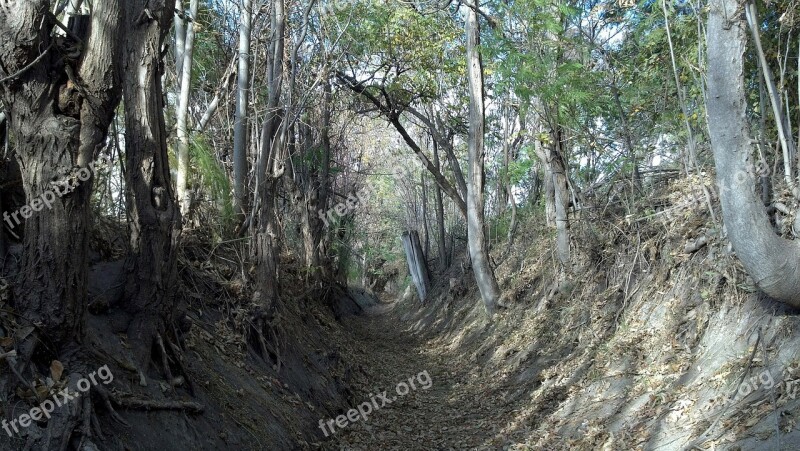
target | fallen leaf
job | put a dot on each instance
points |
(56, 370)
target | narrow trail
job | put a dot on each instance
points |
(458, 410)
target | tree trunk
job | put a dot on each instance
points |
(153, 214)
(784, 135)
(417, 267)
(478, 247)
(560, 198)
(425, 228)
(242, 102)
(444, 261)
(56, 129)
(182, 114)
(772, 262)
(440, 179)
(764, 179)
(455, 166)
(543, 153)
(180, 41)
(3, 162)
(321, 204)
(270, 168)
(627, 134)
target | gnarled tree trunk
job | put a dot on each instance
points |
(59, 123)
(772, 262)
(153, 213)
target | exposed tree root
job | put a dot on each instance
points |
(76, 416)
(271, 347)
(74, 423)
(147, 404)
(104, 395)
(165, 361)
(179, 361)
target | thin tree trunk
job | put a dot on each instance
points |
(440, 179)
(786, 139)
(691, 142)
(508, 186)
(180, 42)
(444, 261)
(766, 186)
(221, 92)
(425, 227)
(394, 118)
(561, 199)
(242, 101)
(628, 138)
(182, 114)
(773, 262)
(478, 247)
(512, 228)
(543, 152)
(154, 217)
(321, 201)
(455, 166)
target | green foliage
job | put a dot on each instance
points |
(210, 59)
(407, 52)
(210, 173)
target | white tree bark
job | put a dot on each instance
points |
(180, 41)
(183, 111)
(240, 131)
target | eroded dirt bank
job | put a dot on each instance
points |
(644, 347)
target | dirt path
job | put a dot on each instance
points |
(455, 412)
